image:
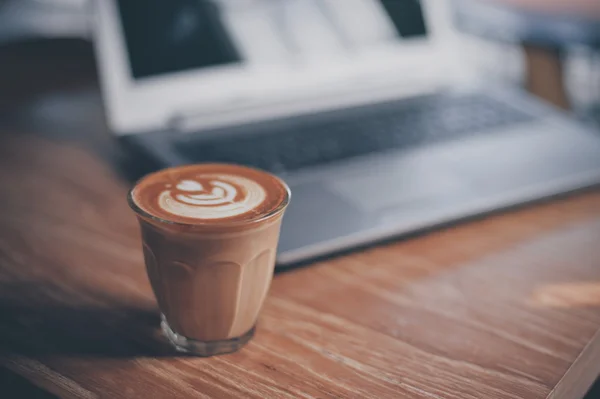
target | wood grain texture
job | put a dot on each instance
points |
(504, 307)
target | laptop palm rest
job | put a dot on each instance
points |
(423, 187)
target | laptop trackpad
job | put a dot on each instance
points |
(398, 187)
(367, 196)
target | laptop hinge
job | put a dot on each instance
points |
(244, 110)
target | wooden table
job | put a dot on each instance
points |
(507, 306)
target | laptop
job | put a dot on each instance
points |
(360, 105)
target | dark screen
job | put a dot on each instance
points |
(407, 16)
(164, 36)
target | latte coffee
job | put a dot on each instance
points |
(209, 236)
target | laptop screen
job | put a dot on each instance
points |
(165, 37)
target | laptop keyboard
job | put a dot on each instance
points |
(300, 142)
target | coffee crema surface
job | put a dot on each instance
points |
(210, 194)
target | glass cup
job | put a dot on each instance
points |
(210, 282)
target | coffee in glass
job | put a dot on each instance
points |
(209, 236)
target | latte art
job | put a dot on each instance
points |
(221, 193)
(212, 197)
(209, 195)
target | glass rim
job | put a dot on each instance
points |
(272, 213)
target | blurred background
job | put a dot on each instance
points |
(493, 35)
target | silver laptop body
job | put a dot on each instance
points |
(363, 107)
